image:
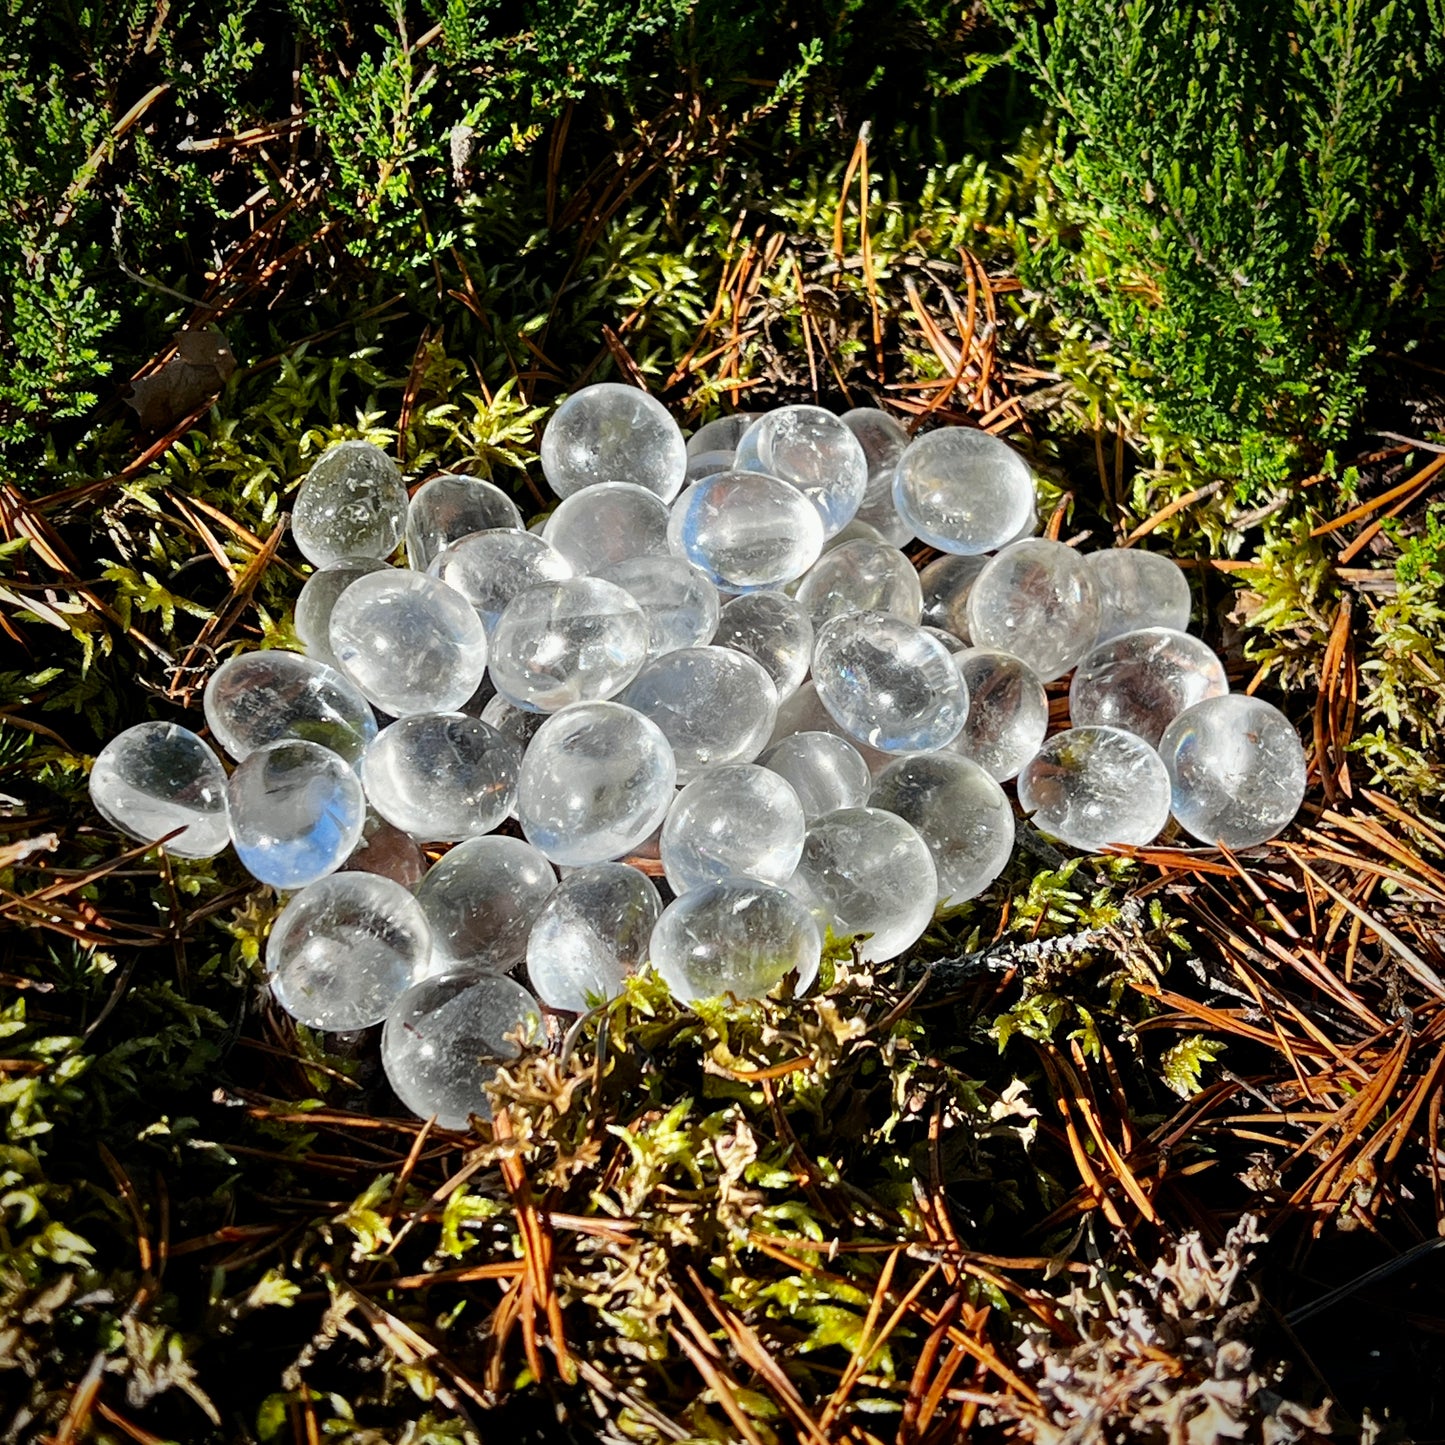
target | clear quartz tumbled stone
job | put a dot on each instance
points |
(736, 936)
(1091, 787)
(1141, 681)
(450, 507)
(344, 949)
(738, 821)
(810, 449)
(445, 1038)
(1036, 600)
(591, 934)
(408, 642)
(352, 503)
(867, 871)
(597, 779)
(156, 777)
(1236, 769)
(887, 683)
(613, 433)
(1138, 589)
(962, 490)
(297, 812)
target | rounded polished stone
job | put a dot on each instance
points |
(409, 643)
(959, 811)
(736, 936)
(596, 780)
(257, 698)
(1036, 600)
(296, 811)
(388, 852)
(590, 935)
(344, 949)
(887, 683)
(518, 723)
(812, 450)
(1138, 589)
(945, 584)
(156, 777)
(738, 821)
(317, 599)
(352, 503)
(445, 1038)
(1092, 787)
(1236, 769)
(774, 631)
(680, 604)
(613, 433)
(442, 776)
(490, 568)
(867, 871)
(608, 523)
(962, 490)
(826, 772)
(861, 577)
(702, 465)
(579, 640)
(450, 507)
(1008, 712)
(747, 532)
(884, 441)
(481, 899)
(804, 713)
(712, 704)
(1141, 681)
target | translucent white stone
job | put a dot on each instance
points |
(591, 934)
(1008, 712)
(713, 705)
(950, 644)
(774, 631)
(867, 871)
(608, 523)
(959, 811)
(1138, 589)
(596, 780)
(257, 698)
(680, 604)
(518, 723)
(813, 451)
(883, 440)
(388, 852)
(1093, 786)
(442, 776)
(1236, 768)
(344, 949)
(446, 1037)
(613, 433)
(856, 531)
(317, 599)
(490, 568)
(481, 899)
(721, 434)
(887, 683)
(580, 640)
(746, 531)
(707, 464)
(296, 810)
(738, 821)
(408, 642)
(1141, 681)
(450, 507)
(945, 584)
(826, 772)
(1036, 600)
(156, 777)
(962, 490)
(861, 577)
(737, 936)
(352, 503)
